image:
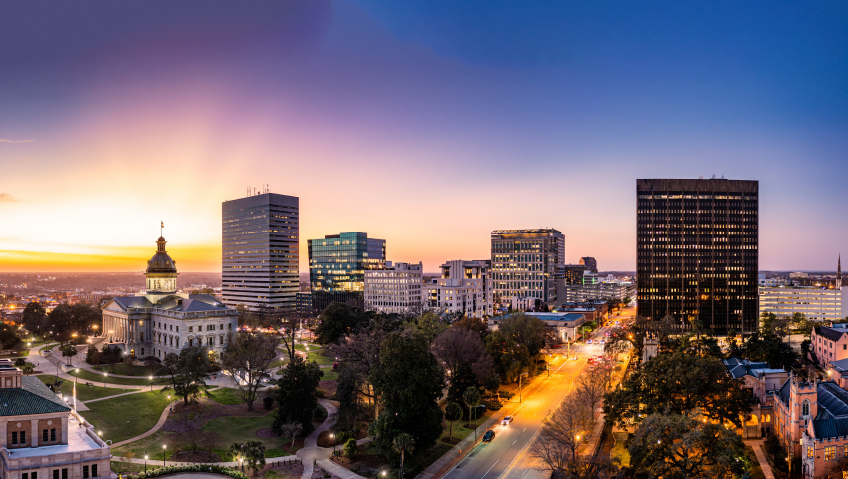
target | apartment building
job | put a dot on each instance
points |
(395, 289)
(465, 287)
(524, 263)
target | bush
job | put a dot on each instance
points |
(162, 471)
(335, 366)
(344, 436)
(350, 448)
(492, 404)
(320, 393)
(268, 402)
(505, 394)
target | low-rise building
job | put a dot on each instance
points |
(829, 344)
(564, 326)
(41, 437)
(593, 290)
(816, 303)
(761, 381)
(395, 289)
(465, 287)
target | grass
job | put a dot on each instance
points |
(756, 470)
(329, 374)
(84, 393)
(228, 396)
(232, 429)
(124, 467)
(619, 451)
(86, 375)
(126, 416)
(47, 346)
(136, 370)
(459, 431)
(320, 359)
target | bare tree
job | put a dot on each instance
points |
(284, 325)
(291, 430)
(360, 353)
(456, 346)
(247, 359)
(562, 434)
(590, 389)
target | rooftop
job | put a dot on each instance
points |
(33, 397)
(78, 441)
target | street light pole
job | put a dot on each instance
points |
(145, 462)
(163, 454)
(519, 386)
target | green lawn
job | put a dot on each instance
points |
(136, 370)
(459, 432)
(126, 416)
(329, 374)
(84, 393)
(320, 359)
(86, 375)
(231, 429)
(756, 470)
(312, 347)
(619, 451)
(227, 396)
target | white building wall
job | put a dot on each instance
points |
(395, 289)
(815, 303)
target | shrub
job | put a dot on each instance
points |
(344, 436)
(162, 471)
(350, 448)
(492, 404)
(505, 394)
(335, 366)
(320, 393)
(268, 402)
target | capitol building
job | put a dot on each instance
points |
(162, 321)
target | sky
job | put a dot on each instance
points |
(426, 123)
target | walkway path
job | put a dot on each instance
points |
(757, 446)
(162, 418)
(312, 454)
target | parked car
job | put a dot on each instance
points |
(506, 420)
(588, 341)
(574, 358)
(488, 436)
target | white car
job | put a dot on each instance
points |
(574, 358)
(506, 420)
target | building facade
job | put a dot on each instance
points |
(817, 304)
(524, 264)
(465, 287)
(697, 251)
(337, 265)
(396, 289)
(589, 263)
(260, 252)
(563, 327)
(578, 293)
(41, 437)
(161, 320)
(829, 343)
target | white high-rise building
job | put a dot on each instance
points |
(394, 289)
(815, 302)
(465, 287)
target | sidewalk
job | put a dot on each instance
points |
(757, 446)
(312, 454)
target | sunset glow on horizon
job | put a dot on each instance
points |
(428, 136)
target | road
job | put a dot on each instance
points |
(507, 455)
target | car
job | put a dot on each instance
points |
(592, 368)
(574, 358)
(602, 341)
(588, 341)
(616, 323)
(506, 420)
(488, 436)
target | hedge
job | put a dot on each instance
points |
(164, 471)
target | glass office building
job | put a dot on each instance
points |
(697, 252)
(337, 265)
(524, 263)
(260, 252)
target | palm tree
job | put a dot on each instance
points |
(471, 396)
(403, 442)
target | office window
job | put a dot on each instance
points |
(85, 472)
(64, 473)
(93, 470)
(191, 329)
(14, 438)
(55, 474)
(25, 475)
(810, 452)
(23, 438)
(44, 435)
(33, 475)
(52, 434)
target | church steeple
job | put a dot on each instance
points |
(839, 271)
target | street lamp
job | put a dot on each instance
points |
(163, 454)
(151, 383)
(75, 389)
(519, 386)
(145, 462)
(333, 437)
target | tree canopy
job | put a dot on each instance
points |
(296, 394)
(248, 357)
(675, 383)
(189, 372)
(336, 321)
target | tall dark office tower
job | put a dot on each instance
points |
(524, 263)
(260, 252)
(337, 265)
(697, 251)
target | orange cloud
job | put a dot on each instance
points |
(15, 141)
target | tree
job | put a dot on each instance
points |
(151, 362)
(676, 383)
(427, 327)
(66, 320)
(68, 351)
(34, 318)
(471, 396)
(27, 370)
(252, 452)
(9, 336)
(20, 362)
(453, 412)
(627, 301)
(350, 448)
(475, 325)
(189, 372)
(770, 348)
(562, 434)
(247, 358)
(402, 444)
(296, 401)
(409, 381)
(337, 321)
(686, 446)
(590, 389)
(291, 429)
(462, 380)
(457, 346)
(130, 359)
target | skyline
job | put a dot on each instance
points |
(428, 125)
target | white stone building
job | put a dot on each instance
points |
(162, 321)
(394, 289)
(465, 287)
